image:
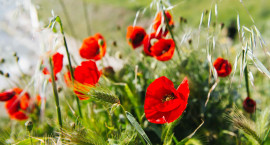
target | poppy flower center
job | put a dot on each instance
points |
(138, 38)
(168, 97)
(165, 49)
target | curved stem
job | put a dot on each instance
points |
(69, 62)
(246, 77)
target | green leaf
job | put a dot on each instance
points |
(137, 126)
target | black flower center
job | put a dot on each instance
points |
(168, 97)
(138, 38)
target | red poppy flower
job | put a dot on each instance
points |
(163, 49)
(163, 103)
(86, 73)
(148, 42)
(223, 67)
(18, 105)
(135, 36)
(160, 23)
(93, 47)
(7, 95)
(249, 105)
(57, 60)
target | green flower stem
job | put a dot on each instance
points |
(69, 62)
(55, 94)
(170, 30)
(246, 78)
(30, 138)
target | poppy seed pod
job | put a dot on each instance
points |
(29, 125)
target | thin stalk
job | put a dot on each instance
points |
(265, 137)
(30, 138)
(246, 78)
(86, 17)
(55, 94)
(67, 17)
(69, 62)
(170, 30)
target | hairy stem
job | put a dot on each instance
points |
(69, 61)
(55, 94)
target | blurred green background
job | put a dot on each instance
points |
(106, 15)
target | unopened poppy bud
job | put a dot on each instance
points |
(17, 58)
(100, 42)
(222, 25)
(6, 75)
(118, 55)
(185, 20)
(114, 43)
(2, 60)
(14, 54)
(59, 89)
(108, 71)
(118, 27)
(181, 19)
(214, 24)
(190, 41)
(29, 125)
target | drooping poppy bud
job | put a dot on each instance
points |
(163, 103)
(93, 47)
(249, 105)
(135, 36)
(163, 50)
(223, 67)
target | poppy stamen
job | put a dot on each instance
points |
(168, 97)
